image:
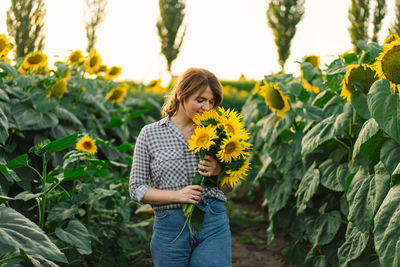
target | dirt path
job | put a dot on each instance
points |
(249, 248)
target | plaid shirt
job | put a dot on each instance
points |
(163, 161)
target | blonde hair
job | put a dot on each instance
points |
(188, 83)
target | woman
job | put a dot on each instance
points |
(162, 172)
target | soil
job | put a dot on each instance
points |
(249, 246)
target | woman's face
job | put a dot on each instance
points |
(198, 102)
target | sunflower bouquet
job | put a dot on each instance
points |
(219, 133)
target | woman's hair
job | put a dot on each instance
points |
(191, 81)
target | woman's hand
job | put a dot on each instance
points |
(190, 194)
(209, 167)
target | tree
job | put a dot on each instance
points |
(359, 19)
(25, 24)
(96, 10)
(283, 17)
(395, 27)
(172, 13)
(379, 14)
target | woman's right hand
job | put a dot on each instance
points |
(190, 194)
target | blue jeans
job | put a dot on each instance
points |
(173, 245)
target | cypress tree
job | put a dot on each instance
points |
(359, 19)
(379, 14)
(395, 27)
(25, 24)
(283, 17)
(96, 10)
(172, 13)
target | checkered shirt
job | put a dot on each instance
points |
(162, 160)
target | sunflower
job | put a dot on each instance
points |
(308, 86)
(234, 127)
(58, 88)
(275, 99)
(235, 176)
(232, 148)
(5, 45)
(207, 118)
(35, 60)
(345, 53)
(313, 59)
(113, 73)
(6, 59)
(357, 74)
(387, 64)
(117, 94)
(202, 138)
(93, 62)
(390, 38)
(154, 83)
(87, 144)
(102, 68)
(75, 57)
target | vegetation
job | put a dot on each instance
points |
(96, 11)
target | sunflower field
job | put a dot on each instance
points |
(326, 153)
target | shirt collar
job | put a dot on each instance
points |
(173, 128)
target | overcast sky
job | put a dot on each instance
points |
(228, 37)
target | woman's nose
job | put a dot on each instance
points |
(207, 106)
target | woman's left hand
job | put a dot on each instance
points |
(209, 166)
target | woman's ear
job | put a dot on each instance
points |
(178, 96)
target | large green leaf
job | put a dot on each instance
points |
(61, 144)
(33, 120)
(385, 108)
(18, 162)
(322, 228)
(354, 244)
(307, 188)
(77, 236)
(285, 155)
(369, 129)
(19, 232)
(65, 114)
(390, 155)
(379, 186)
(62, 211)
(359, 102)
(42, 103)
(9, 172)
(333, 175)
(327, 129)
(273, 125)
(387, 229)
(360, 211)
(3, 127)
(7, 67)
(277, 194)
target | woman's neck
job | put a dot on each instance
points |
(182, 122)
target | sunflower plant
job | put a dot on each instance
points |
(219, 133)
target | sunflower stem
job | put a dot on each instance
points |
(361, 59)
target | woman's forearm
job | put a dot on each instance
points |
(159, 197)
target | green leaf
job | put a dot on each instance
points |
(273, 125)
(369, 129)
(61, 144)
(322, 98)
(77, 236)
(387, 229)
(62, 211)
(307, 188)
(65, 114)
(379, 186)
(277, 194)
(354, 244)
(40, 102)
(18, 162)
(333, 175)
(7, 67)
(74, 174)
(124, 147)
(26, 195)
(359, 102)
(4, 199)
(327, 129)
(390, 155)
(115, 122)
(360, 211)
(3, 127)
(19, 232)
(285, 155)
(322, 228)
(385, 108)
(33, 120)
(4, 169)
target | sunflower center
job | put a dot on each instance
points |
(391, 65)
(203, 140)
(116, 94)
(87, 145)
(35, 59)
(313, 60)
(230, 147)
(113, 71)
(93, 61)
(364, 77)
(75, 57)
(3, 44)
(230, 128)
(274, 98)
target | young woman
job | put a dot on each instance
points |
(162, 172)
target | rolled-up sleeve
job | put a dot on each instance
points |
(140, 172)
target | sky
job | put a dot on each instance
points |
(227, 37)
